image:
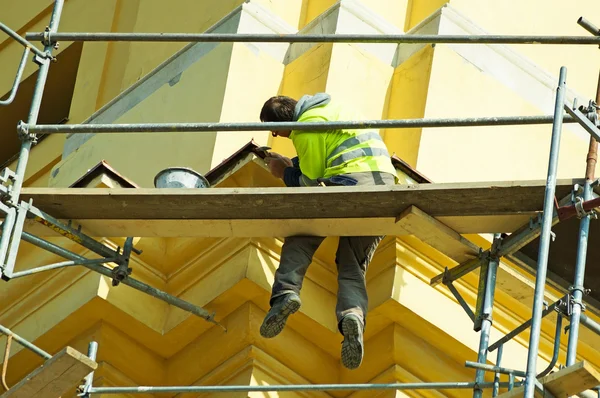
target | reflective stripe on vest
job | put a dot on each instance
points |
(358, 152)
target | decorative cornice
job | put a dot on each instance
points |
(108, 376)
(251, 359)
(319, 271)
(204, 263)
(19, 316)
(509, 312)
(397, 374)
(348, 17)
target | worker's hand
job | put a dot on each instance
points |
(277, 164)
(277, 155)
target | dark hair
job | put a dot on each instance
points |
(278, 109)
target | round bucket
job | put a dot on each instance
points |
(180, 177)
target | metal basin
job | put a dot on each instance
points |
(180, 177)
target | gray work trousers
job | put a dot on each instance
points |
(354, 253)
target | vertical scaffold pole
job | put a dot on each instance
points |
(488, 279)
(36, 101)
(89, 379)
(34, 110)
(544, 248)
(584, 228)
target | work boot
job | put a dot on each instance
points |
(352, 346)
(283, 307)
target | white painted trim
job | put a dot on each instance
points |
(349, 17)
(503, 63)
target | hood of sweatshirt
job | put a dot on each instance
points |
(310, 101)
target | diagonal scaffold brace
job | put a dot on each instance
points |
(119, 274)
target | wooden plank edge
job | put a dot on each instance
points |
(446, 240)
(68, 354)
(555, 382)
(572, 380)
(254, 228)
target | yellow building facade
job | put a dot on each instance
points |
(415, 332)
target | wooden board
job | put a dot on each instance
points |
(437, 235)
(472, 199)
(564, 383)
(280, 212)
(55, 377)
(269, 227)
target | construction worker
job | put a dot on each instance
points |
(332, 158)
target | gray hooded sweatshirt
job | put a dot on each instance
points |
(310, 101)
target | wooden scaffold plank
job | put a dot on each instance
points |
(274, 212)
(564, 383)
(437, 235)
(55, 377)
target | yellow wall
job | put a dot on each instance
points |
(543, 17)
(421, 9)
(416, 332)
(406, 100)
(500, 153)
(197, 97)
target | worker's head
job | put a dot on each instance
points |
(279, 109)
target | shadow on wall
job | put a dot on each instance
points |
(56, 102)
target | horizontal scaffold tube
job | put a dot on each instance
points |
(25, 343)
(313, 38)
(299, 387)
(272, 126)
(134, 283)
(23, 42)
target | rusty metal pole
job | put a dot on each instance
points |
(577, 290)
(592, 156)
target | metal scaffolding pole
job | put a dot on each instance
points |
(577, 289)
(89, 379)
(72, 233)
(298, 387)
(584, 228)
(311, 38)
(556, 347)
(59, 265)
(7, 227)
(487, 279)
(10, 222)
(26, 128)
(24, 42)
(497, 374)
(510, 244)
(154, 292)
(495, 369)
(587, 25)
(526, 324)
(36, 103)
(25, 343)
(590, 323)
(17, 81)
(544, 248)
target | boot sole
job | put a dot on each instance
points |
(274, 324)
(352, 347)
